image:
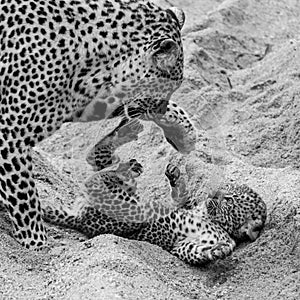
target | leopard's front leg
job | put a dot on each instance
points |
(102, 155)
(19, 194)
(177, 126)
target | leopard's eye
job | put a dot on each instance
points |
(166, 46)
(165, 54)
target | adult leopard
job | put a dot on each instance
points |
(80, 60)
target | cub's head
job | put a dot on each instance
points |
(239, 210)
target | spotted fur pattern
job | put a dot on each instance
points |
(75, 60)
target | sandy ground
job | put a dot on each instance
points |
(242, 76)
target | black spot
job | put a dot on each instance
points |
(3, 185)
(2, 172)
(100, 24)
(61, 43)
(27, 141)
(52, 35)
(57, 18)
(82, 10)
(32, 5)
(22, 196)
(104, 13)
(103, 34)
(25, 174)
(4, 153)
(23, 207)
(7, 167)
(23, 234)
(12, 200)
(120, 15)
(10, 44)
(32, 203)
(42, 20)
(92, 16)
(32, 214)
(16, 164)
(38, 129)
(85, 20)
(30, 193)
(19, 220)
(62, 30)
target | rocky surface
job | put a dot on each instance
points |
(242, 75)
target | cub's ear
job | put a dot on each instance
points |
(166, 54)
(177, 14)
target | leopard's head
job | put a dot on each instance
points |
(147, 66)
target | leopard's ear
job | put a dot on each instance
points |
(177, 14)
(165, 54)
